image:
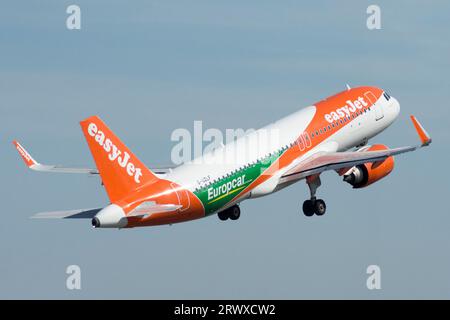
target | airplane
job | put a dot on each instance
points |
(331, 134)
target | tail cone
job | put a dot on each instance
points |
(350, 178)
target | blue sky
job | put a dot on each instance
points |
(149, 67)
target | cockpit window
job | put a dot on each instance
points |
(386, 96)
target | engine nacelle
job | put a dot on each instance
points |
(365, 174)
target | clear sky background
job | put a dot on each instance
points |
(150, 67)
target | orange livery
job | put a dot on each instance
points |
(332, 134)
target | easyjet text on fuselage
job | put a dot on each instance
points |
(347, 110)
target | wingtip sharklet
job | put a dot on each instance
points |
(425, 138)
(26, 157)
(36, 166)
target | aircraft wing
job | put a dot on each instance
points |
(323, 161)
(36, 166)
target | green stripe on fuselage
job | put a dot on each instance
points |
(219, 193)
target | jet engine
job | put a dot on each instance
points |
(362, 175)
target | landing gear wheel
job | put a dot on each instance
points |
(223, 215)
(234, 212)
(320, 207)
(308, 208)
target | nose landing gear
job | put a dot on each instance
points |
(313, 205)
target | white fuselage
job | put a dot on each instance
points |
(282, 133)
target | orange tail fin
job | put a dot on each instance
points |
(121, 171)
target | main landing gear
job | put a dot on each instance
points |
(233, 212)
(313, 205)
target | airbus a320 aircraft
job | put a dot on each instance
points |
(309, 142)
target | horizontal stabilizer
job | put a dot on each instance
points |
(68, 214)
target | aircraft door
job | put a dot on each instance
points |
(378, 108)
(182, 197)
